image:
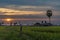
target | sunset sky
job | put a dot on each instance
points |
(31, 9)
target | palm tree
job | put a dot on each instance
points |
(49, 14)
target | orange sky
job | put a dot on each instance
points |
(5, 11)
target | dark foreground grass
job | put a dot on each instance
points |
(30, 33)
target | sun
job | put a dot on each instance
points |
(8, 20)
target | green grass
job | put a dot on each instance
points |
(30, 33)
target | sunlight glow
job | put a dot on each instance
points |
(8, 20)
(6, 11)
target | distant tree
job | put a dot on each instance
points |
(15, 23)
(2, 23)
(42, 22)
(10, 23)
(45, 22)
(49, 14)
(37, 24)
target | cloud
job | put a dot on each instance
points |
(34, 8)
(6, 11)
(17, 3)
(29, 8)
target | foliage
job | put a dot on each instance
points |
(30, 33)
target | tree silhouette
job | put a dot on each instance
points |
(45, 22)
(15, 23)
(42, 22)
(49, 14)
(10, 23)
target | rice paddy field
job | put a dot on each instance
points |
(30, 33)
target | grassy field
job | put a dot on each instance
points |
(30, 33)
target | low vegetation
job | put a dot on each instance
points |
(30, 33)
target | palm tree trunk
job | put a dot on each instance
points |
(49, 20)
